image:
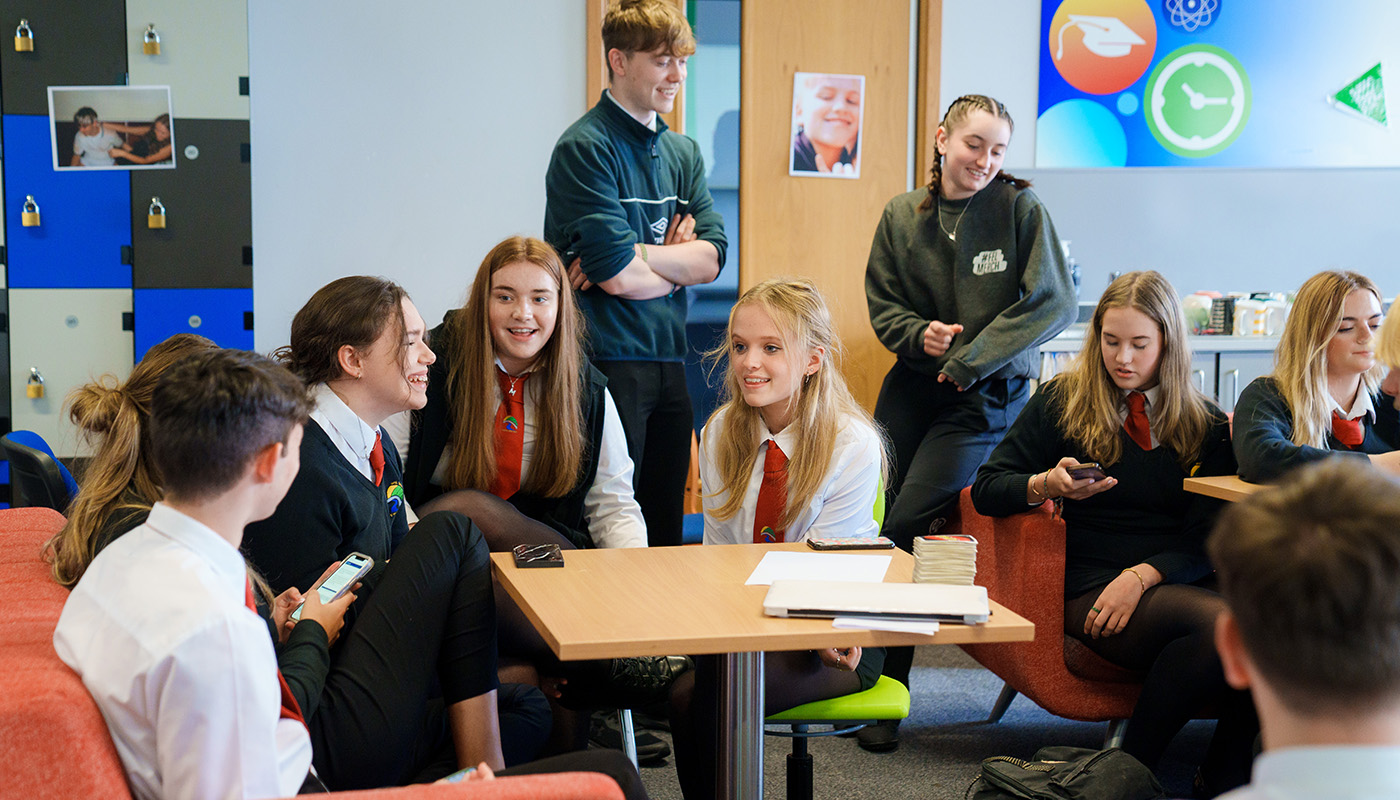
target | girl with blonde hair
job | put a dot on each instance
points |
(1136, 582)
(1324, 396)
(788, 456)
(120, 484)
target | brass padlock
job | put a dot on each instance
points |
(24, 38)
(155, 215)
(150, 43)
(29, 216)
(34, 389)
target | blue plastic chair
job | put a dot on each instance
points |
(37, 477)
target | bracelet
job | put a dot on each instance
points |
(1030, 485)
(642, 248)
(1139, 577)
(1045, 484)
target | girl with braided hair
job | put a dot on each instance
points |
(966, 278)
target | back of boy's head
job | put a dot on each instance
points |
(85, 116)
(644, 26)
(1311, 572)
(214, 412)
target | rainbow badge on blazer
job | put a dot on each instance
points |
(510, 423)
(393, 497)
(767, 533)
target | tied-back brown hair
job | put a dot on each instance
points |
(112, 416)
(957, 113)
(821, 403)
(643, 26)
(1300, 363)
(556, 383)
(1181, 416)
(353, 311)
(1311, 572)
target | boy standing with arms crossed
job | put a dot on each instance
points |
(628, 208)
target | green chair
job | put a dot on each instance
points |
(887, 699)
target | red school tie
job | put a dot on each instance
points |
(772, 497)
(290, 709)
(1347, 431)
(510, 435)
(1136, 423)
(376, 459)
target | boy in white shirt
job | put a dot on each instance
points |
(1311, 573)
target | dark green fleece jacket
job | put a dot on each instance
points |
(1005, 280)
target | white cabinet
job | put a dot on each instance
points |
(1236, 371)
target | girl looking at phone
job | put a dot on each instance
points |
(789, 456)
(1136, 588)
(1325, 396)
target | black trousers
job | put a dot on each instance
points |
(654, 405)
(1171, 636)
(424, 639)
(940, 436)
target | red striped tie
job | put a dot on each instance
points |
(290, 709)
(772, 497)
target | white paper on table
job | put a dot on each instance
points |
(870, 624)
(782, 565)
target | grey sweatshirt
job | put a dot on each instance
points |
(1005, 280)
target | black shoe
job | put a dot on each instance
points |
(624, 683)
(605, 732)
(640, 682)
(881, 737)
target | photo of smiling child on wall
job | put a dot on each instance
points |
(826, 118)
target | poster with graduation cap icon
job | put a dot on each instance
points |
(1215, 83)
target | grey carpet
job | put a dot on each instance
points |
(942, 742)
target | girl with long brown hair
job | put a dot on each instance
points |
(514, 409)
(1136, 582)
(1324, 397)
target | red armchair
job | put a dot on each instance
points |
(55, 741)
(1021, 561)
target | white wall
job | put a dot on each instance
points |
(401, 140)
(1224, 229)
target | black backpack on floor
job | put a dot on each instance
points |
(1065, 773)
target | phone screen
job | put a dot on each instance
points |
(339, 579)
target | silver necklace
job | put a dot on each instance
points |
(952, 237)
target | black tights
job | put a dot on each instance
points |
(790, 679)
(1171, 636)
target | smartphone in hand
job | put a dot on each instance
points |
(354, 567)
(1091, 470)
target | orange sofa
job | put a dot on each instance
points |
(54, 739)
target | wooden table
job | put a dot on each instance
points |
(671, 600)
(1223, 487)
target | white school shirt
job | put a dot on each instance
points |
(1323, 773)
(842, 506)
(184, 673)
(1360, 407)
(609, 506)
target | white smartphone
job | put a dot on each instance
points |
(351, 569)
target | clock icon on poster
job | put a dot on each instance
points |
(1197, 100)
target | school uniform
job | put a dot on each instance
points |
(1263, 437)
(599, 511)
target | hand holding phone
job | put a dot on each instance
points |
(331, 587)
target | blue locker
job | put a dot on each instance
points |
(224, 315)
(85, 216)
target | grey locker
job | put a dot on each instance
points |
(4, 361)
(208, 235)
(72, 336)
(203, 54)
(76, 43)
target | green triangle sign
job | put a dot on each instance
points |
(1365, 95)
